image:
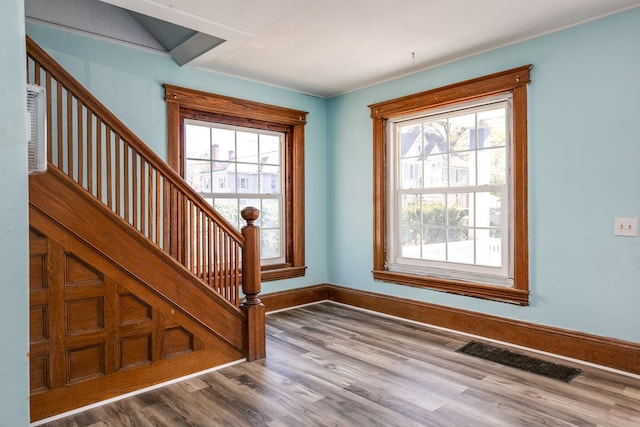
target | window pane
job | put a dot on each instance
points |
(459, 209)
(269, 179)
(270, 213)
(270, 243)
(198, 142)
(270, 149)
(411, 225)
(434, 227)
(492, 128)
(411, 175)
(433, 207)
(247, 176)
(489, 247)
(435, 136)
(492, 166)
(436, 171)
(459, 130)
(488, 240)
(410, 141)
(228, 208)
(223, 144)
(269, 169)
(495, 213)
(225, 177)
(247, 147)
(461, 247)
(198, 175)
(461, 169)
(435, 246)
(411, 250)
(487, 204)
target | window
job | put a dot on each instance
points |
(445, 227)
(450, 193)
(255, 153)
(210, 153)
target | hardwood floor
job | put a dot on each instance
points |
(330, 365)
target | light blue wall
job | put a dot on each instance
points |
(129, 82)
(584, 155)
(14, 231)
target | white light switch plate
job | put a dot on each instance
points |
(627, 227)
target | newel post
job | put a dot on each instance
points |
(255, 333)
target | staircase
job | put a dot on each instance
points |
(134, 278)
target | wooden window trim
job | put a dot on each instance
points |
(182, 102)
(512, 81)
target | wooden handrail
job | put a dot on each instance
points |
(96, 150)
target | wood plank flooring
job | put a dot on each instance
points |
(330, 365)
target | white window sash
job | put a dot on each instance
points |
(500, 276)
(257, 196)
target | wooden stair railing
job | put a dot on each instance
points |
(96, 150)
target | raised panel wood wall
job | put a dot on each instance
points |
(98, 330)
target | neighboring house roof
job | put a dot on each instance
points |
(411, 144)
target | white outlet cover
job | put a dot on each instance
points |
(625, 226)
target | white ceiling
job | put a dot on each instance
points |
(328, 47)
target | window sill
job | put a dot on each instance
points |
(270, 273)
(494, 293)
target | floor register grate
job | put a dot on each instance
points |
(520, 361)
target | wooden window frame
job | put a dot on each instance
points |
(188, 103)
(512, 81)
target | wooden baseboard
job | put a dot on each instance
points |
(294, 297)
(603, 351)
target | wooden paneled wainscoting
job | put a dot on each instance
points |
(609, 352)
(110, 312)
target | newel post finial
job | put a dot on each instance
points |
(255, 344)
(250, 214)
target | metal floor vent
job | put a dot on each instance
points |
(520, 361)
